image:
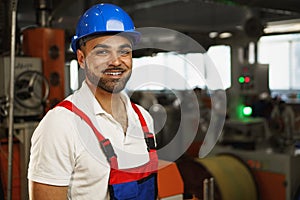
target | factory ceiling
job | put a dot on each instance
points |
(196, 18)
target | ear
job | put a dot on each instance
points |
(80, 58)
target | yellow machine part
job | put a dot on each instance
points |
(232, 177)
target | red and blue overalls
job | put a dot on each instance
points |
(137, 183)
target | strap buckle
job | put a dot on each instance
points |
(107, 149)
(149, 139)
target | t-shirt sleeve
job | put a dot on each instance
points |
(52, 154)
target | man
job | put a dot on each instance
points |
(93, 146)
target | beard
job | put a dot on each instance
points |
(108, 84)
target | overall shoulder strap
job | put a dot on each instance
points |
(141, 118)
(149, 137)
(104, 143)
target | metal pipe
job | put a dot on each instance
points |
(255, 52)
(208, 189)
(211, 188)
(11, 99)
(43, 9)
(205, 189)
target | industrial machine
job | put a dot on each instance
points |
(217, 177)
(36, 64)
(38, 86)
(277, 175)
(31, 91)
(21, 148)
(253, 78)
(49, 45)
(260, 132)
(31, 87)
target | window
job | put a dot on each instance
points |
(281, 52)
(74, 75)
(175, 71)
(220, 55)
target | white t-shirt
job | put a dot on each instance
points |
(66, 152)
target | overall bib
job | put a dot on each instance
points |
(137, 183)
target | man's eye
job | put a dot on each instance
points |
(125, 52)
(101, 52)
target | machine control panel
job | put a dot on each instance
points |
(253, 78)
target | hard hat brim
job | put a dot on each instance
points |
(134, 36)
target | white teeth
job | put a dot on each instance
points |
(113, 73)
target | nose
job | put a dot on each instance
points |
(115, 59)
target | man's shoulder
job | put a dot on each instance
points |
(58, 117)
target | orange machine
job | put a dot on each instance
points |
(49, 45)
(169, 181)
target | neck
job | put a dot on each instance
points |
(108, 101)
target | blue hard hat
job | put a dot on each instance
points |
(104, 18)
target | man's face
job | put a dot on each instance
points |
(107, 61)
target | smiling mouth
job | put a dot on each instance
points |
(113, 73)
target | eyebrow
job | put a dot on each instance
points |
(104, 46)
(125, 46)
(101, 46)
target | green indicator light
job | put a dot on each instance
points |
(241, 79)
(247, 111)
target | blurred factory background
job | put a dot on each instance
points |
(255, 47)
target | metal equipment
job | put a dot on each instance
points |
(247, 122)
(49, 45)
(31, 87)
(248, 82)
(281, 170)
(208, 189)
(218, 177)
(245, 133)
(253, 78)
(21, 149)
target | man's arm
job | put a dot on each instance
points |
(39, 191)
